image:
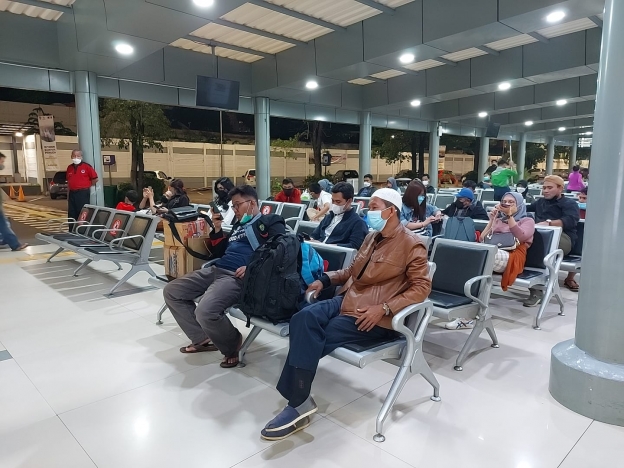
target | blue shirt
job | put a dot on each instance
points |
(407, 216)
(238, 252)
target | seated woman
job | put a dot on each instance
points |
(223, 186)
(522, 187)
(174, 197)
(508, 216)
(416, 214)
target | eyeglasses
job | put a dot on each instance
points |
(507, 203)
(237, 206)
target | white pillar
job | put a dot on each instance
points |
(263, 147)
(366, 138)
(550, 155)
(484, 155)
(88, 125)
(434, 156)
(521, 160)
(573, 152)
(587, 373)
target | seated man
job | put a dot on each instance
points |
(389, 273)
(130, 202)
(466, 206)
(582, 202)
(205, 323)
(323, 202)
(289, 193)
(555, 210)
(342, 226)
(368, 188)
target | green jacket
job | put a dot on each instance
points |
(501, 176)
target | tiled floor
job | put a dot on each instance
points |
(92, 381)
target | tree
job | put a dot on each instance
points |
(286, 146)
(316, 140)
(535, 154)
(33, 123)
(140, 125)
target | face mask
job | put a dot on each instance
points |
(287, 191)
(486, 179)
(520, 189)
(76, 161)
(338, 209)
(367, 184)
(421, 198)
(247, 216)
(459, 204)
(582, 206)
(425, 182)
(375, 221)
(1, 167)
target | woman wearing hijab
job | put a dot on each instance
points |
(392, 183)
(416, 214)
(509, 215)
(522, 187)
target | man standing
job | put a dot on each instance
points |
(555, 210)
(389, 273)
(342, 226)
(80, 178)
(206, 324)
(7, 236)
(289, 193)
(369, 188)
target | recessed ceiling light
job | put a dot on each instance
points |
(555, 16)
(392, 136)
(124, 49)
(562, 102)
(562, 129)
(19, 134)
(504, 86)
(483, 114)
(415, 103)
(203, 3)
(589, 133)
(392, 122)
(311, 84)
(528, 123)
(407, 58)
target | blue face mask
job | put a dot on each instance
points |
(375, 221)
(582, 206)
(421, 198)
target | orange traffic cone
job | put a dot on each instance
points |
(21, 196)
(12, 193)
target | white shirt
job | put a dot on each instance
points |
(323, 198)
(334, 222)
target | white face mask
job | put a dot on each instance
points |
(520, 189)
(367, 184)
(338, 209)
(76, 161)
(425, 182)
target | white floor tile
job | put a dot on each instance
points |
(600, 446)
(20, 403)
(46, 443)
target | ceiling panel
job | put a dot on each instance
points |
(240, 38)
(219, 51)
(464, 54)
(568, 28)
(511, 42)
(276, 23)
(33, 11)
(361, 81)
(424, 65)
(385, 75)
(394, 3)
(341, 12)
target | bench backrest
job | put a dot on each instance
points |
(442, 200)
(307, 227)
(140, 226)
(102, 217)
(86, 214)
(291, 210)
(362, 201)
(336, 257)
(580, 232)
(535, 191)
(457, 262)
(120, 223)
(269, 207)
(545, 241)
(487, 195)
(489, 205)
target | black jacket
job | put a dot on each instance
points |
(350, 232)
(563, 208)
(474, 211)
(265, 227)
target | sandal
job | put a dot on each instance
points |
(232, 361)
(199, 348)
(571, 285)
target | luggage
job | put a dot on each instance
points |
(461, 229)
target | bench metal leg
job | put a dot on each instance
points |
(253, 334)
(84, 264)
(60, 249)
(133, 271)
(119, 267)
(468, 345)
(547, 296)
(559, 297)
(489, 327)
(160, 313)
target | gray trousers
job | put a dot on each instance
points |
(206, 320)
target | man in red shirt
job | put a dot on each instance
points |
(80, 177)
(289, 193)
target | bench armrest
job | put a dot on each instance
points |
(413, 330)
(88, 226)
(309, 297)
(107, 230)
(63, 221)
(488, 285)
(121, 240)
(553, 260)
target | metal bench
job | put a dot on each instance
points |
(442, 200)
(292, 214)
(362, 201)
(487, 195)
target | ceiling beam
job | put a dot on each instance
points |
(488, 50)
(407, 71)
(538, 36)
(445, 61)
(597, 21)
(258, 32)
(211, 43)
(296, 14)
(46, 5)
(377, 6)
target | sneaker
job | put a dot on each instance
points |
(533, 300)
(459, 324)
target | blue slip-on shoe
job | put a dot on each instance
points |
(289, 416)
(290, 430)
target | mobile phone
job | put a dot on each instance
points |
(215, 207)
(306, 236)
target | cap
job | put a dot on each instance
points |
(555, 179)
(465, 193)
(389, 195)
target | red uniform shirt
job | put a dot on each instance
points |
(295, 197)
(79, 177)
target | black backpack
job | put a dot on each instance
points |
(461, 229)
(271, 286)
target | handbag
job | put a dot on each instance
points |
(503, 240)
(181, 214)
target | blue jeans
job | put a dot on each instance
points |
(315, 332)
(7, 236)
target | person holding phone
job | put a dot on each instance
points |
(174, 197)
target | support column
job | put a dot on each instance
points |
(521, 162)
(484, 154)
(88, 123)
(573, 155)
(366, 139)
(434, 156)
(550, 155)
(263, 147)
(587, 373)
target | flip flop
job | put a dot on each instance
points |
(228, 365)
(571, 285)
(199, 348)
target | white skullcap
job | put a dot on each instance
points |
(389, 195)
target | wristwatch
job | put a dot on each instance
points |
(549, 221)
(386, 308)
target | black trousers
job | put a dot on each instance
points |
(76, 199)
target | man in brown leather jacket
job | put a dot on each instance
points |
(389, 273)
